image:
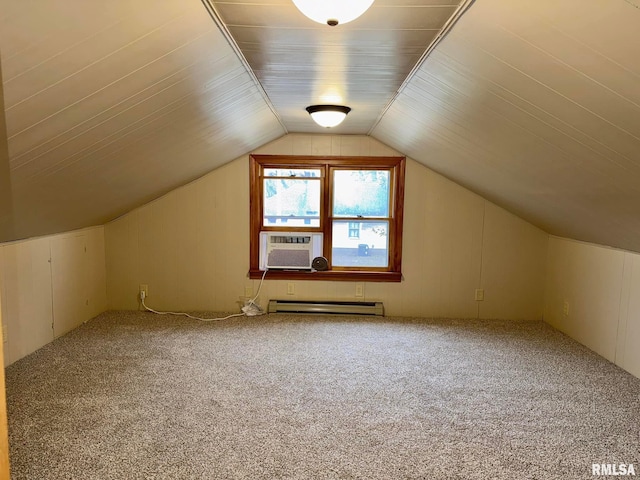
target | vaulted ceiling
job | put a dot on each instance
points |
(533, 104)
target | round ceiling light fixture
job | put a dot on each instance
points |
(328, 115)
(333, 12)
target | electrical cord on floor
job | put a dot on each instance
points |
(251, 308)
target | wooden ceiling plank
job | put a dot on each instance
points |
(82, 83)
(171, 72)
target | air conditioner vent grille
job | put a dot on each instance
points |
(289, 258)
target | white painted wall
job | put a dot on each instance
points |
(511, 265)
(601, 287)
(49, 286)
(192, 248)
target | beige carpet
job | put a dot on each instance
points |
(135, 396)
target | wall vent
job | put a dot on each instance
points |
(326, 307)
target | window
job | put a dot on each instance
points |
(355, 202)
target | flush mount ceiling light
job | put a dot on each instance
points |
(333, 12)
(328, 115)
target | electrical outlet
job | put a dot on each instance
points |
(359, 290)
(565, 308)
(479, 294)
(5, 337)
(291, 288)
(145, 289)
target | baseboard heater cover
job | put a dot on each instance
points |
(327, 307)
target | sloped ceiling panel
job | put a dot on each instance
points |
(111, 104)
(536, 106)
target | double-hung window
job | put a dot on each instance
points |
(356, 203)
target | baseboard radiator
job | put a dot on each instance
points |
(326, 307)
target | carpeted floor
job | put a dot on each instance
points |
(131, 395)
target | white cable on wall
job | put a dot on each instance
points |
(251, 308)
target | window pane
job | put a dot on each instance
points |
(292, 203)
(361, 193)
(292, 172)
(369, 249)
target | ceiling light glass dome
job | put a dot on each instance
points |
(328, 115)
(333, 12)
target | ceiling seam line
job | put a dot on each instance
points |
(120, 103)
(558, 93)
(217, 19)
(501, 88)
(105, 87)
(462, 9)
(92, 64)
(570, 67)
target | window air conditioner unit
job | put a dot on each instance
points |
(289, 250)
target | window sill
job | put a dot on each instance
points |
(329, 275)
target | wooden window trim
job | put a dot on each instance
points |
(392, 273)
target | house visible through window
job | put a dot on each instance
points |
(354, 202)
